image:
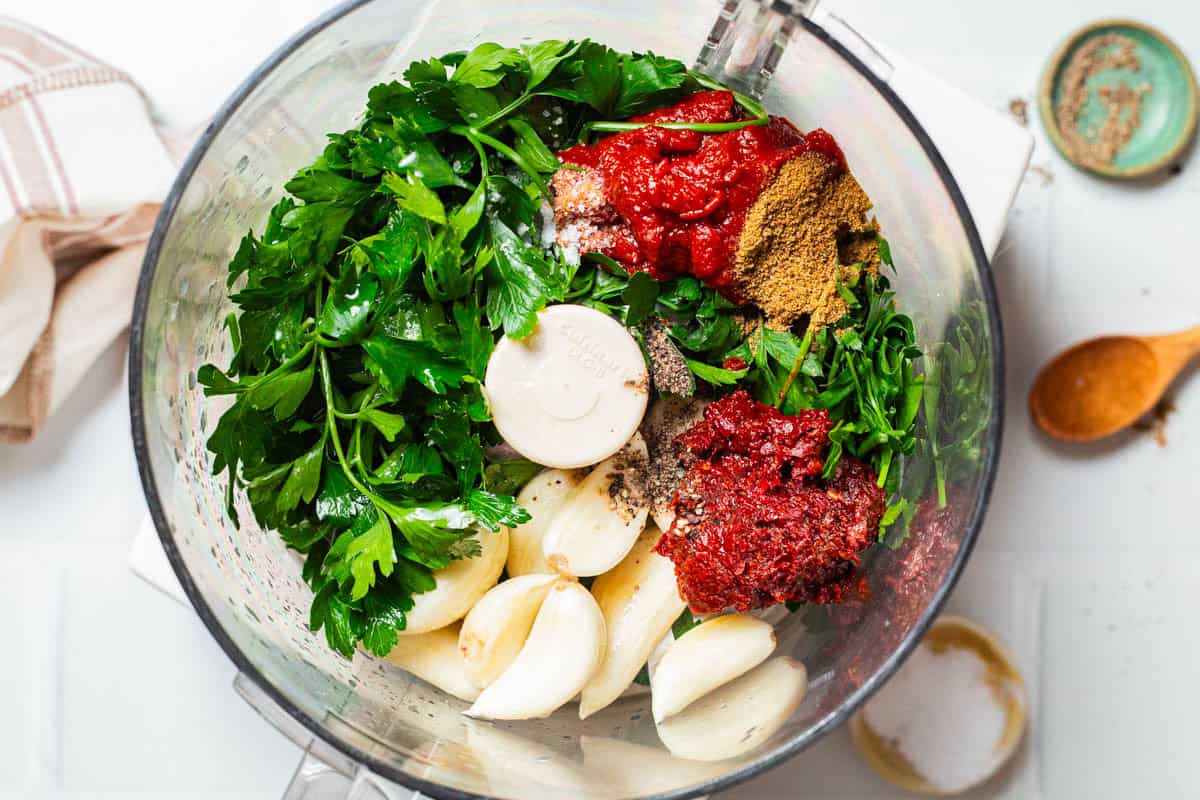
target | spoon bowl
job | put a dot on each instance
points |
(1101, 386)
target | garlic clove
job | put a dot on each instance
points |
(434, 658)
(635, 770)
(459, 586)
(639, 600)
(564, 649)
(495, 629)
(513, 764)
(709, 655)
(740, 716)
(541, 497)
(601, 518)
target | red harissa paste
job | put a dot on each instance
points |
(682, 196)
(755, 522)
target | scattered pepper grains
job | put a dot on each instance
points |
(807, 232)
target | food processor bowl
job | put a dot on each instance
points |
(367, 715)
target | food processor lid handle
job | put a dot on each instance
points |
(744, 47)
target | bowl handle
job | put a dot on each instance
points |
(323, 773)
(748, 38)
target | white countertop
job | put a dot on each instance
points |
(1088, 559)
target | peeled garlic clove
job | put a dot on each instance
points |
(635, 770)
(514, 764)
(709, 655)
(459, 586)
(563, 651)
(495, 629)
(434, 658)
(739, 716)
(541, 497)
(639, 600)
(601, 518)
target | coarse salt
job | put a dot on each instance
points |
(549, 230)
(940, 713)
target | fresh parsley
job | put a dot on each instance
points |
(368, 306)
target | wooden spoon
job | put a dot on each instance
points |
(1103, 385)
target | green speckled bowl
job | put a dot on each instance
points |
(1169, 111)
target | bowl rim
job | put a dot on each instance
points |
(439, 791)
(1047, 108)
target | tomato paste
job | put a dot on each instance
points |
(755, 522)
(677, 200)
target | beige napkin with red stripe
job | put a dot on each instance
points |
(82, 172)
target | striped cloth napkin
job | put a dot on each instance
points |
(82, 172)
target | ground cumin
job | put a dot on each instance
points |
(800, 239)
(1122, 103)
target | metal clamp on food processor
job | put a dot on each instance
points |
(748, 39)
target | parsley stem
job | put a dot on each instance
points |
(504, 112)
(750, 104)
(356, 441)
(500, 147)
(699, 127)
(331, 426)
(286, 366)
(801, 354)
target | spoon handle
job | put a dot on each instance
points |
(1176, 350)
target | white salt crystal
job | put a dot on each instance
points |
(549, 231)
(569, 238)
(939, 712)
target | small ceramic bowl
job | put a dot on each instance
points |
(1169, 110)
(1004, 678)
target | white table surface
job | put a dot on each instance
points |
(1089, 556)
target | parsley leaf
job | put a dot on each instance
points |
(523, 286)
(283, 392)
(302, 480)
(717, 376)
(507, 477)
(348, 307)
(493, 511)
(684, 623)
(317, 229)
(647, 82)
(331, 612)
(394, 361)
(321, 185)
(477, 344)
(413, 195)
(639, 296)
(370, 548)
(531, 147)
(599, 83)
(390, 425)
(484, 66)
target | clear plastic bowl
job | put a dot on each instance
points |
(246, 586)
